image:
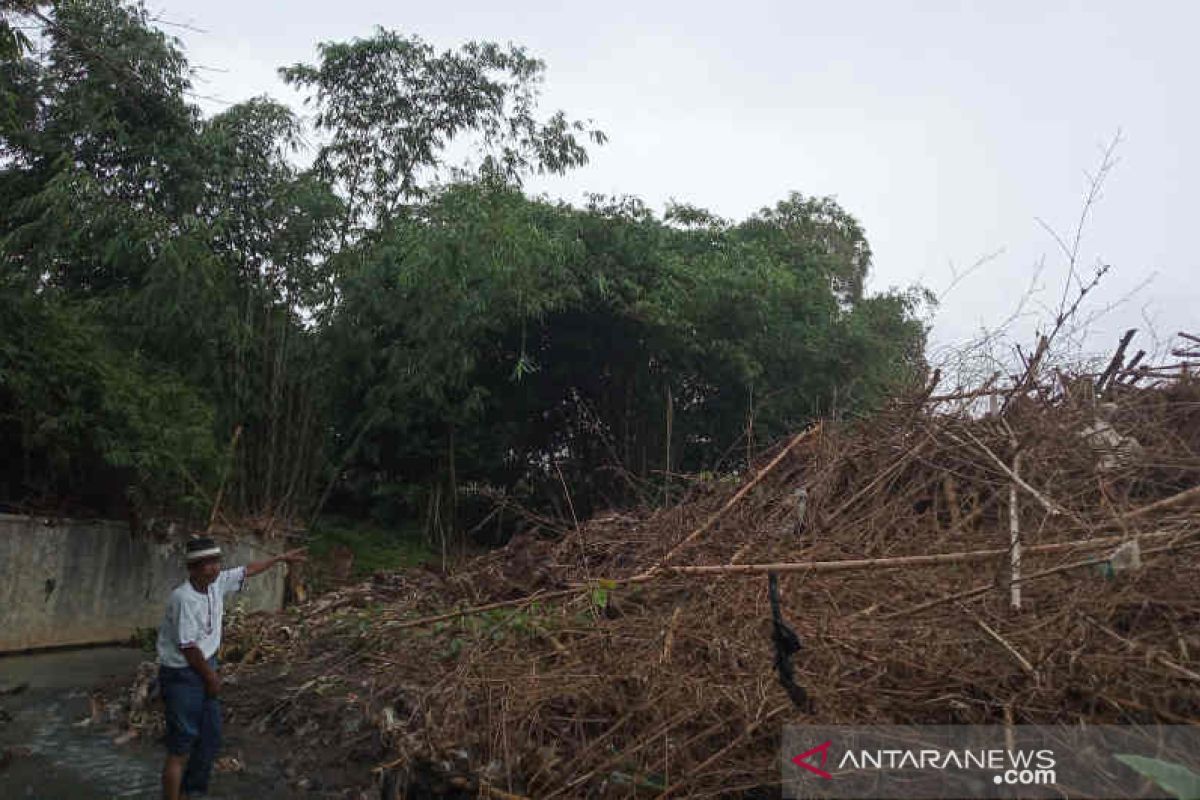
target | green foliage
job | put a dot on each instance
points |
(194, 245)
(493, 336)
(375, 549)
(145, 639)
(388, 326)
(1176, 779)
(13, 41)
(496, 625)
(87, 417)
(816, 235)
(393, 105)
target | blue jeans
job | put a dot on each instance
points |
(193, 724)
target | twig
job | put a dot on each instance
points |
(1160, 658)
(570, 505)
(737, 740)
(894, 562)
(212, 515)
(1173, 500)
(669, 639)
(988, 587)
(733, 501)
(1051, 507)
(567, 494)
(1014, 530)
(499, 794)
(1016, 654)
(1029, 377)
(1072, 252)
(844, 565)
(464, 612)
(1117, 360)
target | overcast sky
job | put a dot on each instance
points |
(948, 129)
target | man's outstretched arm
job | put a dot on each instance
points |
(298, 555)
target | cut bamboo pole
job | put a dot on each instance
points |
(1014, 531)
(899, 562)
(737, 740)
(733, 501)
(1012, 651)
(1169, 502)
(1051, 507)
(1158, 657)
(216, 506)
(845, 565)
(463, 612)
(987, 587)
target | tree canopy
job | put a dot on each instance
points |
(390, 329)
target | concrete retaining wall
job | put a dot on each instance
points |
(70, 582)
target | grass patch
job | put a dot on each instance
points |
(375, 548)
(145, 639)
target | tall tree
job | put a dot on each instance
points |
(391, 106)
(541, 339)
(816, 233)
(195, 246)
(398, 320)
(95, 172)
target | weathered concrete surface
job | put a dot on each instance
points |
(70, 582)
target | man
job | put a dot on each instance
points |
(188, 640)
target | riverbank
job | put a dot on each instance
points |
(58, 739)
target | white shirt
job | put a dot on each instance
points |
(193, 618)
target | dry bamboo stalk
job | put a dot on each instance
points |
(216, 506)
(737, 740)
(499, 794)
(1029, 379)
(1016, 654)
(463, 612)
(735, 499)
(952, 503)
(894, 562)
(626, 753)
(984, 589)
(844, 565)
(1173, 500)
(1014, 531)
(1009, 738)
(1176, 668)
(669, 639)
(1051, 507)
(886, 474)
(1117, 361)
(1132, 645)
(1161, 712)
(967, 395)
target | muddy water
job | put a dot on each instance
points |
(47, 750)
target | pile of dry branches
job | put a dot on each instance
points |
(939, 563)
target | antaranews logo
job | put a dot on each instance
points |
(943, 762)
(822, 750)
(1009, 767)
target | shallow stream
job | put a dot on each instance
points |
(50, 748)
